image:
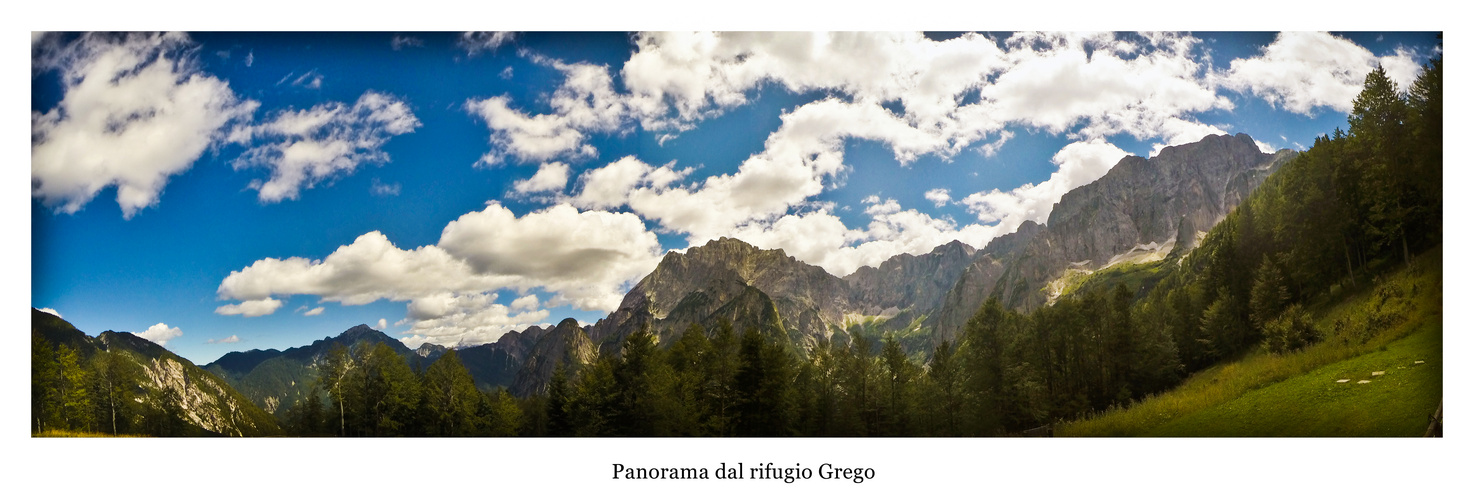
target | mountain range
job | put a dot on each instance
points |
(1141, 211)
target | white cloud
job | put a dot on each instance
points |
(821, 239)
(1080, 163)
(134, 111)
(585, 102)
(380, 189)
(525, 303)
(250, 308)
(311, 79)
(1303, 71)
(369, 269)
(939, 196)
(399, 42)
(549, 177)
(586, 259)
(456, 320)
(1052, 84)
(227, 340)
(250, 58)
(476, 42)
(382, 324)
(51, 311)
(316, 144)
(314, 311)
(991, 149)
(160, 334)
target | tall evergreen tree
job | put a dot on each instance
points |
(559, 423)
(450, 398)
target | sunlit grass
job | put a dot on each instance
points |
(62, 433)
(1380, 328)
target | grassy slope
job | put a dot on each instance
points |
(1264, 394)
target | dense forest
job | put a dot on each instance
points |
(1355, 205)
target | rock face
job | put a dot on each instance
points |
(725, 275)
(1139, 203)
(977, 281)
(915, 282)
(1142, 209)
(566, 344)
(497, 364)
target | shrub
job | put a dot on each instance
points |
(1291, 330)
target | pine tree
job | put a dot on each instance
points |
(71, 391)
(944, 388)
(1377, 129)
(391, 391)
(450, 397)
(635, 412)
(116, 380)
(720, 374)
(900, 374)
(559, 423)
(45, 379)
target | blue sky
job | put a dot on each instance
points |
(233, 191)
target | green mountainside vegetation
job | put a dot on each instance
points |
(119, 384)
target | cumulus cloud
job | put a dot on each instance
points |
(313, 145)
(991, 149)
(939, 196)
(382, 324)
(1080, 163)
(586, 259)
(476, 42)
(525, 303)
(314, 311)
(227, 340)
(250, 308)
(549, 177)
(822, 239)
(454, 320)
(160, 334)
(369, 269)
(1303, 71)
(586, 102)
(611, 185)
(51, 311)
(135, 110)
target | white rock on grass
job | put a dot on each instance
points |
(1342, 381)
(1378, 374)
(1363, 381)
(1418, 362)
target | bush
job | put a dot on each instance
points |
(1291, 330)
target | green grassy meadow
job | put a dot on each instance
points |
(1387, 327)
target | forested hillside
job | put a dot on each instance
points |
(117, 383)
